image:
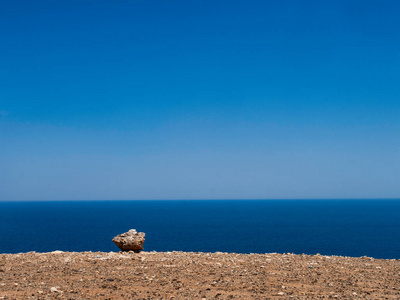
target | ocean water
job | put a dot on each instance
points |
(328, 227)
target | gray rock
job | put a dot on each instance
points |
(130, 241)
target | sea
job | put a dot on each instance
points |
(328, 227)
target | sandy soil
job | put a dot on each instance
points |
(185, 275)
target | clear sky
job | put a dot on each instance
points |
(145, 99)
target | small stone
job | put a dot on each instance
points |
(130, 241)
(54, 290)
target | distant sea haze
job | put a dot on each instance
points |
(328, 227)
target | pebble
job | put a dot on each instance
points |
(54, 290)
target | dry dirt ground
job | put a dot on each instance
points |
(186, 275)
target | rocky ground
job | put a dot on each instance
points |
(185, 275)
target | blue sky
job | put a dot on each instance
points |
(199, 100)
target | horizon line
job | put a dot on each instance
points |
(200, 199)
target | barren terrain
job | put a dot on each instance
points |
(187, 275)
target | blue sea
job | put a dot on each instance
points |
(329, 227)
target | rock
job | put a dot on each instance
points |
(130, 241)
